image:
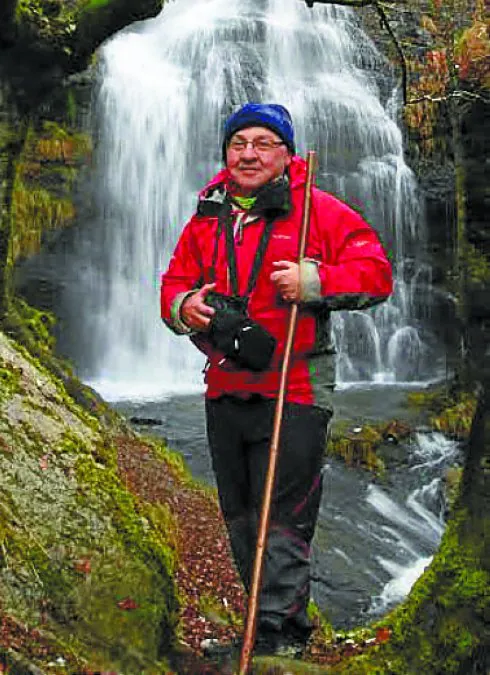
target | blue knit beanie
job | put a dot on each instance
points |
(270, 115)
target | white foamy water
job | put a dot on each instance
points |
(165, 88)
(416, 526)
(141, 391)
(403, 578)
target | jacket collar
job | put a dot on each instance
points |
(273, 199)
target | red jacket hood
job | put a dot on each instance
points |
(297, 175)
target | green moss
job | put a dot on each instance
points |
(38, 322)
(124, 513)
(71, 108)
(213, 609)
(9, 381)
(451, 413)
(42, 197)
(58, 143)
(165, 523)
(456, 420)
(78, 552)
(96, 4)
(452, 483)
(357, 445)
(477, 265)
(35, 212)
(432, 400)
(47, 19)
(35, 346)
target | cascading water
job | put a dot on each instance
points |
(393, 528)
(165, 87)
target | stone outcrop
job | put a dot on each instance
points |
(81, 559)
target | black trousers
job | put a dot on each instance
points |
(239, 434)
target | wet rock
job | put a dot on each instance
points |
(145, 421)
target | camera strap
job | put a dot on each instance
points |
(259, 255)
(226, 221)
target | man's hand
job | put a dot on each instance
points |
(194, 312)
(286, 280)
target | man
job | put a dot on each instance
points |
(255, 204)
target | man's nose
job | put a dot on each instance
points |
(249, 151)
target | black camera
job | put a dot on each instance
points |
(235, 334)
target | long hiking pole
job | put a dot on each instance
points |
(253, 599)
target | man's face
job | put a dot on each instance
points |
(251, 167)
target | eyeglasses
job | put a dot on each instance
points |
(259, 144)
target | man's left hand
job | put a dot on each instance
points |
(286, 279)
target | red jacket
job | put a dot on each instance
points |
(345, 268)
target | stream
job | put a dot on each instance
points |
(374, 535)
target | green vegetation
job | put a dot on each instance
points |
(212, 608)
(356, 448)
(477, 265)
(43, 188)
(356, 444)
(95, 4)
(441, 626)
(451, 413)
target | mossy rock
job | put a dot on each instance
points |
(357, 444)
(46, 173)
(457, 418)
(80, 557)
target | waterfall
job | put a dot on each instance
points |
(166, 86)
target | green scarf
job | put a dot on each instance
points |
(245, 203)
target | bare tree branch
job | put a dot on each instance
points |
(460, 93)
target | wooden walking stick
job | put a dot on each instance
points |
(250, 629)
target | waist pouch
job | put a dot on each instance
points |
(235, 334)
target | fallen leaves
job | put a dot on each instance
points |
(84, 566)
(127, 604)
(383, 634)
(31, 642)
(344, 645)
(205, 566)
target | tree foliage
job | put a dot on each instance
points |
(456, 67)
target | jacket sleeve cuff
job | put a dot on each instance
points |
(177, 323)
(309, 280)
